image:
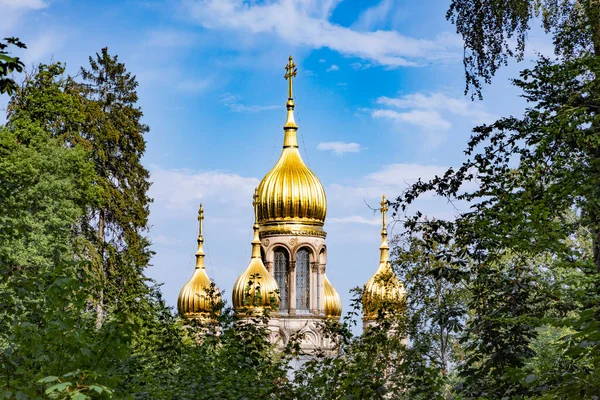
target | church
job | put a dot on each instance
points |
(287, 269)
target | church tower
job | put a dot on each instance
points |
(291, 207)
(197, 300)
(384, 290)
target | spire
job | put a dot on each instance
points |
(384, 248)
(256, 239)
(200, 252)
(290, 127)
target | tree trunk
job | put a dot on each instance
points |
(592, 10)
(100, 299)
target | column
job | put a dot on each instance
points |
(292, 288)
(322, 289)
(314, 304)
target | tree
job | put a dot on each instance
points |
(494, 31)
(114, 133)
(436, 297)
(532, 173)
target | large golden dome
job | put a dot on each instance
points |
(197, 300)
(290, 193)
(384, 289)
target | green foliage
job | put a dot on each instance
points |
(9, 65)
(531, 235)
(495, 31)
(114, 135)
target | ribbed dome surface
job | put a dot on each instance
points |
(291, 192)
(333, 301)
(265, 281)
(194, 300)
(262, 282)
(383, 287)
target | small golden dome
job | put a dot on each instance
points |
(195, 301)
(384, 286)
(255, 288)
(291, 192)
(333, 301)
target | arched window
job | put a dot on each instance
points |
(302, 280)
(280, 271)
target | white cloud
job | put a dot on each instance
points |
(427, 119)
(374, 16)
(232, 102)
(360, 66)
(439, 101)
(431, 112)
(333, 68)
(339, 148)
(12, 12)
(322, 60)
(24, 4)
(307, 24)
(183, 188)
(357, 200)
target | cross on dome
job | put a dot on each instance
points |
(289, 75)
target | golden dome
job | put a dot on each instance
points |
(195, 298)
(333, 301)
(384, 286)
(255, 287)
(291, 193)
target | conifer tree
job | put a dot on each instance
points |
(115, 136)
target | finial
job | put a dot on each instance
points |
(255, 205)
(384, 209)
(289, 75)
(290, 127)
(256, 239)
(200, 218)
(200, 252)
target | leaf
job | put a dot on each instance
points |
(59, 387)
(48, 379)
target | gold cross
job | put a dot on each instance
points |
(384, 209)
(200, 217)
(290, 73)
(255, 204)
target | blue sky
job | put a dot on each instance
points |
(379, 102)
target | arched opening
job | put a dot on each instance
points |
(281, 262)
(303, 280)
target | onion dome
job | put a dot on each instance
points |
(255, 287)
(384, 286)
(195, 300)
(333, 301)
(290, 193)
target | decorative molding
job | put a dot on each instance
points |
(293, 241)
(266, 242)
(290, 232)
